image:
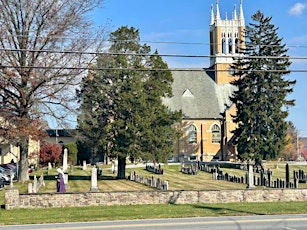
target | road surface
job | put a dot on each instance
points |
(269, 222)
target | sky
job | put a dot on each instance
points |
(182, 27)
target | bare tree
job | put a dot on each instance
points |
(42, 47)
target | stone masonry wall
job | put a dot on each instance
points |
(15, 200)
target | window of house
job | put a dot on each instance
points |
(192, 136)
(216, 133)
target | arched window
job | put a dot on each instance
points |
(216, 133)
(230, 45)
(223, 46)
(192, 135)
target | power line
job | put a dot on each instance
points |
(147, 54)
(147, 69)
(149, 41)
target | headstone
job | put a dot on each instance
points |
(66, 180)
(84, 165)
(165, 185)
(287, 176)
(269, 173)
(250, 177)
(49, 166)
(30, 188)
(41, 180)
(35, 184)
(94, 187)
(11, 179)
(295, 177)
(115, 166)
(214, 174)
(65, 157)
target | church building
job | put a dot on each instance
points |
(203, 94)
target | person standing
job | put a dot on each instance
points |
(60, 181)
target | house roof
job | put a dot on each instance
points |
(197, 95)
(61, 132)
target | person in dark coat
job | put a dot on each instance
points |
(60, 181)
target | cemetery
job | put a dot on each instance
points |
(188, 182)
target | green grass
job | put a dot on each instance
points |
(101, 213)
(79, 181)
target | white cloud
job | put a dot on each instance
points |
(297, 9)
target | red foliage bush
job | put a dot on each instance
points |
(50, 153)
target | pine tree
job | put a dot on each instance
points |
(125, 101)
(260, 98)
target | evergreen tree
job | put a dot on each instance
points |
(261, 92)
(123, 98)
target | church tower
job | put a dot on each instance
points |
(226, 39)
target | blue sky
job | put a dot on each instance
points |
(182, 21)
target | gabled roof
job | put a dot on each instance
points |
(197, 95)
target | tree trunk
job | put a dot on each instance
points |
(121, 172)
(23, 174)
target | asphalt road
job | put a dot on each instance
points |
(269, 222)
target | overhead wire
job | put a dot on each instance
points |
(96, 53)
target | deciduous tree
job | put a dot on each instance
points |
(41, 44)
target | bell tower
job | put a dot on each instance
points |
(226, 39)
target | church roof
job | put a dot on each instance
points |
(197, 95)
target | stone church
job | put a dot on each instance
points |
(203, 95)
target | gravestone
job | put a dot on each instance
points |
(11, 179)
(115, 166)
(84, 167)
(65, 157)
(30, 188)
(250, 177)
(269, 173)
(165, 186)
(35, 184)
(287, 176)
(66, 180)
(49, 166)
(94, 187)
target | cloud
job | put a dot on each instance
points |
(297, 9)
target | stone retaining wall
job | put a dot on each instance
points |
(15, 200)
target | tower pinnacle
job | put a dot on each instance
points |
(241, 15)
(218, 17)
(212, 16)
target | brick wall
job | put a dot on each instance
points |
(15, 200)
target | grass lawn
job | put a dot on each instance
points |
(79, 181)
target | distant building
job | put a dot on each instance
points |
(60, 136)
